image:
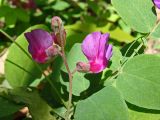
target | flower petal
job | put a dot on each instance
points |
(90, 45)
(97, 66)
(157, 3)
(97, 51)
(39, 40)
(102, 46)
(108, 51)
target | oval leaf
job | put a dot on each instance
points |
(139, 81)
(106, 104)
(137, 14)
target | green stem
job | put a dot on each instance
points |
(8, 36)
(62, 39)
(118, 71)
(70, 84)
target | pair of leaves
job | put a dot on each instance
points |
(139, 81)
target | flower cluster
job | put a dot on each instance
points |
(43, 46)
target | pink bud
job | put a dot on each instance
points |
(58, 31)
(56, 24)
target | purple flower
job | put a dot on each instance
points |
(157, 3)
(97, 51)
(40, 45)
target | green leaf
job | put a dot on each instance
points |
(116, 33)
(80, 83)
(75, 55)
(139, 81)
(138, 113)
(71, 35)
(2, 78)
(20, 70)
(134, 12)
(38, 108)
(10, 18)
(107, 104)
(8, 107)
(115, 59)
(21, 15)
(13, 14)
(60, 5)
(94, 6)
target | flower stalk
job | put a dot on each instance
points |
(61, 38)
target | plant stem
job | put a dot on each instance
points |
(62, 41)
(49, 80)
(8, 36)
(70, 84)
(118, 71)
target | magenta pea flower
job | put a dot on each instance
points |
(40, 45)
(97, 50)
(157, 3)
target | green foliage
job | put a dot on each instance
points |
(107, 104)
(137, 115)
(75, 55)
(13, 14)
(80, 82)
(27, 97)
(37, 106)
(60, 5)
(155, 32)
(134, 12)
(139, 81)
(115, 59)
(20, 70)
(115, 32)
(8, 107)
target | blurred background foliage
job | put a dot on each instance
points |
(80, 18)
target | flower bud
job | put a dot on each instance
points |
(58, 31)
(56, 24)
(83, 67)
